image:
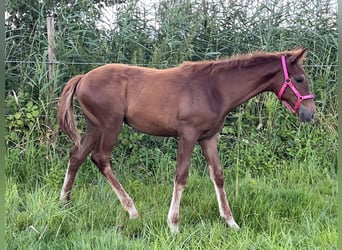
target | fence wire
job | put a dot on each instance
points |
(144, 64)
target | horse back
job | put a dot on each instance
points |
(151, 100)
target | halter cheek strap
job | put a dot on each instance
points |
(288, 83)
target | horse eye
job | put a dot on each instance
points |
(299, 79)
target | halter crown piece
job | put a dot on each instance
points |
(288, 83)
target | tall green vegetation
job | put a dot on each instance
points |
(162, 35)
(178, 31)
(263, 147)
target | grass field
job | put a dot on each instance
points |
(280, 175)
(281, 185)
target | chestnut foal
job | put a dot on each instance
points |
(189, 102)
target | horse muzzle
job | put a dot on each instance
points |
(306, 114)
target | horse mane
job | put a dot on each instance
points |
(237, 61)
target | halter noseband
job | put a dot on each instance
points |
(288, 83)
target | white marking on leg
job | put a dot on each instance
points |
(223, 203)
(126, 201)
(64, 194)
(173, 215)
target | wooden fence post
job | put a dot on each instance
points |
(51, 51)
(51, 74)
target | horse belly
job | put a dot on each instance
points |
(153, 123)
(153, 105)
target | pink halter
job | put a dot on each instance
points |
(288, 83)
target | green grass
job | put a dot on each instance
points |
(289, 206)
(280, 181)
(272, 216)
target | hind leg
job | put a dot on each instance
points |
(100, 156)
(77, 157)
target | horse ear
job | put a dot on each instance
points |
(298, 56)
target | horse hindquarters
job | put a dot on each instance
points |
(104, 111)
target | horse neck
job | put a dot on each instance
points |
(239, 85)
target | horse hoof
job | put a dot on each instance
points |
(133, 215)
(232, 224)
(64, 199)
(173, 228)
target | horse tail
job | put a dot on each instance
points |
(66, 113)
